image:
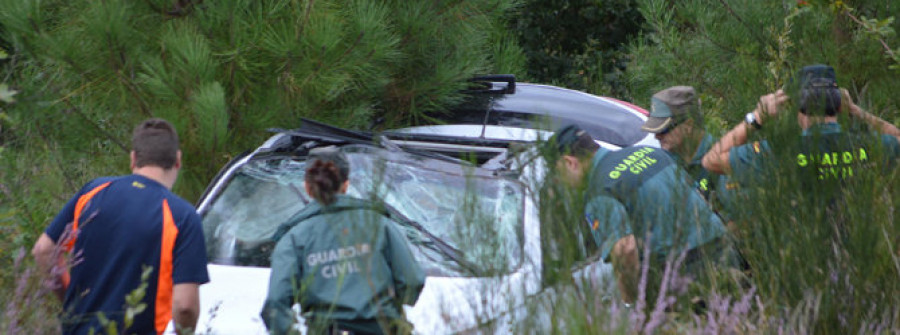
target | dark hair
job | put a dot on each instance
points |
(583, 146)
(324, 179)
(155, 143)
(572, 140)
(820, 99)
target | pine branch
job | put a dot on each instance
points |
(353, 46)
(184, 7)
(69, 179)
(99, 129)
(6, 193)
(13, 62)
(741, 21)
(154, 7)
(309, 6)
(884, 44)
(181, 8)
(321, 64)
(717, 44)
(142, 105)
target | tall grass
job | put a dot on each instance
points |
(28, 306)
(823, 255)
(823, 260)
(33, 301)
(807, 236)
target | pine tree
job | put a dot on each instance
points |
(78, 75)
(224, 71)
(735, 51)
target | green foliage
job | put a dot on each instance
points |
(134, 304)
(110, 326)
(223, 72)
(7, 95)
(803, 235)
(577, 43)
(810, 256)
(7, 233)
(735, 51)
(27, 301)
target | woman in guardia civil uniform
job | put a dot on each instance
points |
(344, 261)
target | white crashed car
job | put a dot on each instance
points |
(473, 224)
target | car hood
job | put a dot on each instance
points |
(234, 297)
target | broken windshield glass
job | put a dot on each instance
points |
(461, 221)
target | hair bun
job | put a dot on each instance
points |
(324, 179)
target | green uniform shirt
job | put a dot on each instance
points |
(716, 189)
(825, 147)
(704, 180)
(343, 261)
(641, 190)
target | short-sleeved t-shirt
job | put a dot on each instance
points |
(123, 225)
(825, 146)
(641, 190)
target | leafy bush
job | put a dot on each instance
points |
(579, 44)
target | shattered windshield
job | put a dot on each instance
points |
(460, 221)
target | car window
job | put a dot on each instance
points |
(548, 108)
(461, 221)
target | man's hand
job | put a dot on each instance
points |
(768, 104)
(185, 306)
(872, 120)
(718, 158)
(46, 255)
(847, 104)
(43, 252)
(627, 266)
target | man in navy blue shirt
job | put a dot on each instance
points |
(115, 227)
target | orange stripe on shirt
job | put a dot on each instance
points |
(164, 285)
(79, 207)
(83, 200)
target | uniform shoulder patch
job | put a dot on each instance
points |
(594, 223)
(137, 184)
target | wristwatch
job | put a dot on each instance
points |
(750, 118)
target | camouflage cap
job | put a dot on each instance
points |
(819, 92)
(670, 106)
(817, 76)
